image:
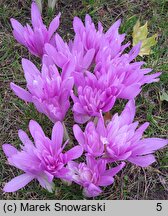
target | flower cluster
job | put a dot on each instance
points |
(94, 71)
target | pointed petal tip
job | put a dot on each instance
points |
(34, 5)
(12, 85)
(20, 92)
(58, 125)
(119, 22)
(15, 24)
(142, 161)
(12, 20)
(147, 124)
(122, 165)
(78, 133)
(32, 123)
(9, 150)
(24, 61)
(75, 126)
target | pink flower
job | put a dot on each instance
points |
(126, 76)
(42, 161)
(119, 139)
(35, 39)
(96, 39)
(48, 90)
(92, 175)
(93, 95)
(62, 52)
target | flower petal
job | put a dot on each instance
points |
(78, 133)
(91, 191)
(24, 138)
(21, 93)
(68, 69)
(113, 171)
(134, 51)
(36, 16)
(128, 113)
(30, 70)
(149, 145)
(106, 180)
(130, 92)
(142, 161)
(87, 60)
(108, 106)
(74, 153)
(35, 127)
(57, 135)
(101, 129)
(54, 25)
(18, 31)
(9, 150)
(81, 118)
(18, 182)
(78, 25)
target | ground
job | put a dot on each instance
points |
(133, 182)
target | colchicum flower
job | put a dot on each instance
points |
(96, 39)
(93, 95)
(48, 90)
(119, 139)
(92, 175)
(42, 161)
(35, 39)
(127, 76)
(62, 52)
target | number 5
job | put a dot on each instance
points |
(159, 207)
